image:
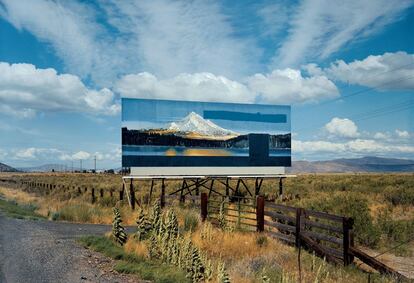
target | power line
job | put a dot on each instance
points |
(390, 109)
(363, 91)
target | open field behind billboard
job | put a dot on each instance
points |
(381, 205)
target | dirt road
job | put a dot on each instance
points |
(45, 251)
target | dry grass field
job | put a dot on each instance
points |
(382, 206)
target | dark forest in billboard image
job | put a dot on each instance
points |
(184, 133)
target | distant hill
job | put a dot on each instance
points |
(364, 164)
(46, 168)
(7, 168)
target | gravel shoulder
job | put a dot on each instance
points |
(46, 251)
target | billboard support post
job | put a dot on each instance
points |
(281, 187)
(162, 200)
(203, 205)
(150, 194)
(227, 187)
(131, 195)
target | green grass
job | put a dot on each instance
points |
(77, 213)
(133, 264)
(12, 209)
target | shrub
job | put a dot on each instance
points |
(261, 240)
(399, 195)
(366, 232)
(190, 221)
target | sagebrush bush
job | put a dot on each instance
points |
(191, 220)
(399, 195)
(366, 232)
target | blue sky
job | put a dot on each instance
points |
(346, 67)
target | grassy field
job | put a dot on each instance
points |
(381, 204)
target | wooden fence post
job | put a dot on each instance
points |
(111, 193)
(162, 198)
(203, 204)
(93, 195)
(101, 192)
(298, 226)
(260, 204)
(132, 195)
(121, 194)
(347, 224)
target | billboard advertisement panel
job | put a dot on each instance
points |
(189, 135)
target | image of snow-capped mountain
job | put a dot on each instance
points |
(194, 123)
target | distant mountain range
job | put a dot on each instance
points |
(47, 168)
(194, 123)
(7, 168)
(364, 164)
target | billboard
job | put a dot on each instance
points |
(168, 137)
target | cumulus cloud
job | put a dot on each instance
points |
(319, 28)
(35, 153)
(390, 71)
(39, 155)
(198, 86)
(289, 86)
(357, 146)
(81, 155)
(280, 86)
(342, 128)
(402, 134)
(381, 136)
(25, 89)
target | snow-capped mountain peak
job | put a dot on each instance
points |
(194, 123)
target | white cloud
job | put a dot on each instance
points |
(81, 155)
(199, 86)
(342, 128)
(35, 156)
(289, 86)
(390, 71)
(381, 136)
(35, 153)
(163, 37)
(69, 27)
(280, 86)
(321, 27)
(316, 146)
(24, 90)
(3, 154)
(402, 134)
(357, 146)
(275, 17)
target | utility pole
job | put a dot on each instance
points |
(80, 160)
(95, 163)
(72, 166)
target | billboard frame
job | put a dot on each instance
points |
(191, 184)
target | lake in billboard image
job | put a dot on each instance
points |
(185, 133)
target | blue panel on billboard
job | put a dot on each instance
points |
(185, 133)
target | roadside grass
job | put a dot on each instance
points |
(132, 263)
(12, 209)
